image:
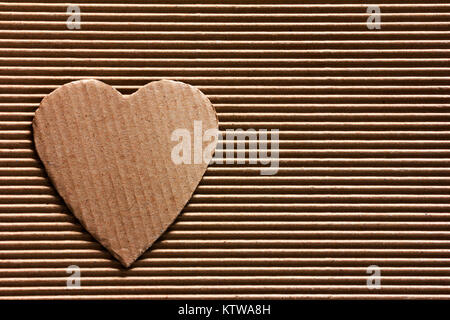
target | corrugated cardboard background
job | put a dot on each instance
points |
(364, 128)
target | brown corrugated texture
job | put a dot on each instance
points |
(364, 128)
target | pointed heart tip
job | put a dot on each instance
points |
(126, 265)
(125, 261)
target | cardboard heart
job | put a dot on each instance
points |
(109, 157)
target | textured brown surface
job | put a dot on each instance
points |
(364, 128)
(110, 157)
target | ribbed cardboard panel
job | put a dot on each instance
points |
(364, 152)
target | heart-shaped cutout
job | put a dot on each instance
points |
(110, 157)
